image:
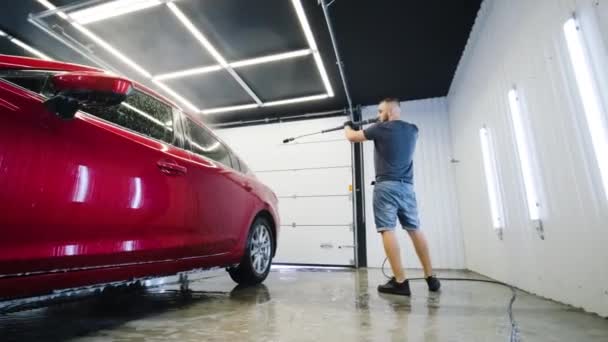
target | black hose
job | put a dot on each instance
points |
(514, 335)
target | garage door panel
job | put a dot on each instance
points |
(316, 210)
(316, 245)
(301, 156)
(329, 181)
(317, 170)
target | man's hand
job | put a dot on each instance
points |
(352, 135)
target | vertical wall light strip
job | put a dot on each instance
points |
(489, 165)
(589, 95)
(525, 155)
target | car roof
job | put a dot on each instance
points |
(12, 62)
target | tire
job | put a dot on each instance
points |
(257, 259)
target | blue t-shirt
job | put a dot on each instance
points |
(394, 146)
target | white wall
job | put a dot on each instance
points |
(435, 188)
(521, 42)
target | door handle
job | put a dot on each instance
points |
(171, 168)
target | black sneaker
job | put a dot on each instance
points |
(393, 287)
(433, 283)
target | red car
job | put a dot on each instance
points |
(102, 180)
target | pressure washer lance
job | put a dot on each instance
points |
(347, 123)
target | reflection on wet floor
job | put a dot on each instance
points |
(299, 305)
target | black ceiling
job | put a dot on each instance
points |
(407, 49)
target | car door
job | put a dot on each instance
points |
(224, 197)
(105, 188)
(240, 220)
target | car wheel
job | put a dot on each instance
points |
(256, 261)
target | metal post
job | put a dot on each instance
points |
(360, 258)
(359, 199)
(337, 53)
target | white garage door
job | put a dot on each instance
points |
(311, 177)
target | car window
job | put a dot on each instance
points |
(29, 79)
(203, 143)
(140, 113)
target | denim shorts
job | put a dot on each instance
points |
(392, 200)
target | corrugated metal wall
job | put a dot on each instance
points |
(521, 42)
(435, 188)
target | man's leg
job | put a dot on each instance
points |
(385, 217)
(398, 284)
(393, 253)
(422, 250)
(408, 217)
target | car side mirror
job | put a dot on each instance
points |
(74, 90)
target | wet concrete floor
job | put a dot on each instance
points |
(304, 305)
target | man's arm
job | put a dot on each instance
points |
(354, 136)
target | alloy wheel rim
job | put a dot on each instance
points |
(260, 249)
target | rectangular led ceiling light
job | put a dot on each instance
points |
(188, 72)
(237, 64)
(111, 9)
(297, 4)
(120, 56)
(50, 6)
(126, 60)
(229, 109)
(176, 96)
(197, 34)
(271, 58)
(25, 46)
(296, 100)
(266, 104)
(525, 154)
(589, 95)
(30, 49)
(492, 182)
(105, 45)
(211, 49)
(120, 7)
